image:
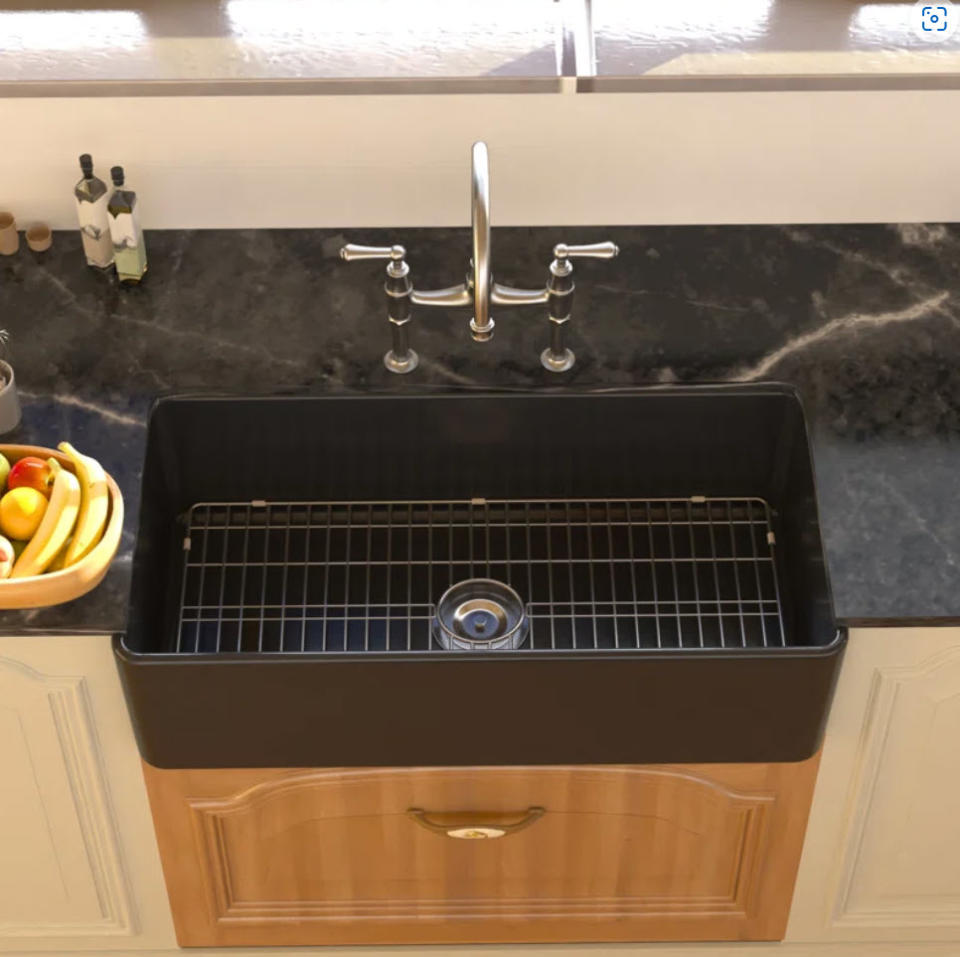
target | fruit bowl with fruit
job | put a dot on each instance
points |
(61, 516)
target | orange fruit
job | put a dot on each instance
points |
(21, 511)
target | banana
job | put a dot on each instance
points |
(94, 499)
(59, 563)
(57, 524)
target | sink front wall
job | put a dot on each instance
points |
(498, 708)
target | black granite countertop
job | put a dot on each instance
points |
(864, 320)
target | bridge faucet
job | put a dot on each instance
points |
(479, 289)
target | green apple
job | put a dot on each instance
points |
(4, 470)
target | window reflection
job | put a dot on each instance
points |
(697, 23)
(23, 30)
(888, 25)
(737, 36)
(167, 39)
(397, 37)
(882, 21)
(389, 17)
(636, 37)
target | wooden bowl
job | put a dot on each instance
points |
(52, 588)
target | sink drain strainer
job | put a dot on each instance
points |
(480, 614)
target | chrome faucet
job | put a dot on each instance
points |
(479, 289)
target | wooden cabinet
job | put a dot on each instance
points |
(882, 859)
(78, 864)
(259, 857)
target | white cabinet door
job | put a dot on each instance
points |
(882, 855)
(79, 868)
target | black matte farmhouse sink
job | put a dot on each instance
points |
(660, 592)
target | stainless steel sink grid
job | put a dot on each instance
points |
(347, 577)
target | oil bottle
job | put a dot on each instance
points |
(129, 251)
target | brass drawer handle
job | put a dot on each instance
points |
(476, 825)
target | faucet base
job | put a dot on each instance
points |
(482, 333)
(401, 364)
(557, 361)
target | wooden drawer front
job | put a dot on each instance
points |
(271, 857)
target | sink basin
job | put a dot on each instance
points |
(658, 550)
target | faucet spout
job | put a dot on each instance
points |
(481, 325)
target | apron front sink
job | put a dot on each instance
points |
(633, 577)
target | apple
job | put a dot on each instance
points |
(31, 472)
(7, 557)
(4, 470)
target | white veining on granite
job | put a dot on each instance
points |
(205, 337)
(928, 236)
(69, 296)
(910, 509)
(696, 303)
(924, 235)
(71, 400)
(898, 274)
(441, 370)
(229, 344)
(841, 324)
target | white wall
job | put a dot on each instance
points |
(628, 158)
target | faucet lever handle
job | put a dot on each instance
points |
(589, 251)
(557, 357)
(399, 295)
(352, 251)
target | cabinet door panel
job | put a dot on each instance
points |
(51, 881)
(883, 854)
(909, 858)
(261, 857)
(74, 826)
